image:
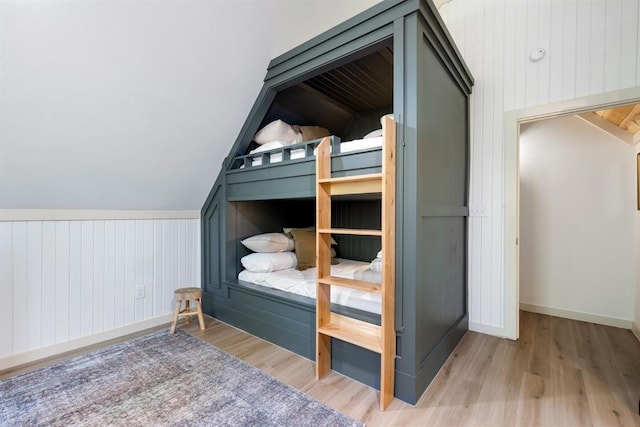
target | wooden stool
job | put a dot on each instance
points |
(186, 295)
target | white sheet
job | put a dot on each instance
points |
(345, 147)
(304, 283)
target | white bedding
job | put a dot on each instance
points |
(298, 153)
(304, 283)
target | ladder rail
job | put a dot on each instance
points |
(381, 339)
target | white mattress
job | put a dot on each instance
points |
(304, 283)
(345, 147)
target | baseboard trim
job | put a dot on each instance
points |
(635, 328)
(489, 330)
(64, 347)
(577, 315)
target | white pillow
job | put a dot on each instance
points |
(277, 130)
(268, 243)
(373, 134)
(376, 265)
(265, 263)
(269, 146)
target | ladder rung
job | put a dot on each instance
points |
(353, 284)
(353, 178)
(354, 331)
(354, 231)
(357, 184)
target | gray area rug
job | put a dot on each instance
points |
(159, 379)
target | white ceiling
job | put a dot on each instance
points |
(133, 104)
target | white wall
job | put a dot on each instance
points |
(120, 105)
(577, 216)
(65, 284)
(134, 104)
(592, 47)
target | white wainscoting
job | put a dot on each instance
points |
(591, 47)
(65, 280)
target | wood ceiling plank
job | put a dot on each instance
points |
(615, 115)
(631, 122)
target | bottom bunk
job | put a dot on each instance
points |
(279, 306)
(288, 319)
(304, 283)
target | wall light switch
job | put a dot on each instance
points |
(477, 211)
(139, 292)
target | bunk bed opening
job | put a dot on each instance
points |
(262, 255)
(344, 99)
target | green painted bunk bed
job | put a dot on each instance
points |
(394, 58)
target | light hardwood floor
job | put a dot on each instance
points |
(559, 373)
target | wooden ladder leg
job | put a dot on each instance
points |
(387, 366)
(199, 310)
(187, 310)
(175, 316)
(323, 355)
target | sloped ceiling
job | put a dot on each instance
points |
(626, 117)
(134, 104)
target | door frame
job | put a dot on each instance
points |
(511, 187)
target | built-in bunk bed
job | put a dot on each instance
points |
(396, 59)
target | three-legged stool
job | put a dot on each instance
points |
(186, 295)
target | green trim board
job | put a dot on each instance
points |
(430, 103)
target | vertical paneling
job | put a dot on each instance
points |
(75, 278)
(158, 266)
(629, 42)
(19, 291)
(62, 280)
(612, 42)
(86, 278)
(34, 285)
(582, 73)
(98, 276)
(120, 264)
(592, 46)
(167, 266)
(48, 282)
(567, 45)
(6, 289)
(129, 272)
(109, 294)
(138, 271)
(147, 268)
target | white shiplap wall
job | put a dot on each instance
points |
(68, 279)
(592, 47)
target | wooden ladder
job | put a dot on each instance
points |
(380, 339)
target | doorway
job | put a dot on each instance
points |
(514, 121)
(576, 220)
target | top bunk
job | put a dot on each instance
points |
(344, 101)
(341, 83)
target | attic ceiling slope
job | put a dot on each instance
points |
(133, 116)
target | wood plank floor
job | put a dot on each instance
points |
(559, 373)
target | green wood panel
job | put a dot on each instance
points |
(212, 234)
(295, 179)
(357, 214)
(442, 193)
